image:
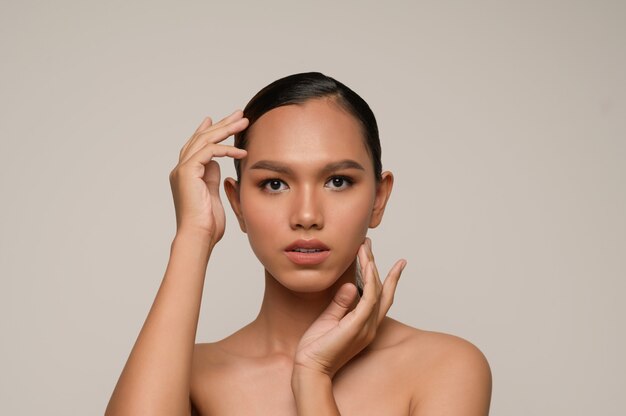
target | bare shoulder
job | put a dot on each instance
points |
(205, 355)
(212, 357)
(448, 374)
(211, 373)
(206, 361)
(219, 353)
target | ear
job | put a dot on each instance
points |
(383, 191)
(231, 187)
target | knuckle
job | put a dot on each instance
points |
(369, 303)
(180, 171)
(204, 143)
(343, 300)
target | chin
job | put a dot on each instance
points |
(306, 281)
(311, 280)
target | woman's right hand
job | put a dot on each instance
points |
(195, 180)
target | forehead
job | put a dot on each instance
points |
(317, 131)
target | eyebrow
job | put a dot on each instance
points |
(284, 169)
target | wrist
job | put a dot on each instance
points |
(194, 236)
(313, 392)
(303, 378)
(192, 246)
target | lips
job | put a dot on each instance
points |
(307, 252)
(312, 244)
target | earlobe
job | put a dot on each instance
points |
(383, 191)
(231, 186)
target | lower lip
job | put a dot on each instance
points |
(307, 258)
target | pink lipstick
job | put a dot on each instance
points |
(307, 252)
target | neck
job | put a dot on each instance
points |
(285, 315)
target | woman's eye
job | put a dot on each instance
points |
(274, 185)
(338, 183)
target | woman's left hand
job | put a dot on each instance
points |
(339, 333)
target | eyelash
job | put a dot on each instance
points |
(263, 184)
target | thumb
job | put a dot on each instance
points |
(342, 302)
(212, 177)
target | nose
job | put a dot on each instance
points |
(306, 210)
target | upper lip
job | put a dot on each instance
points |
(310, 244)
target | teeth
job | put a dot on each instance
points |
(307, 250)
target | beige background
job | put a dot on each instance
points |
(504, 122)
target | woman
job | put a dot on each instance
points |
(309, 186)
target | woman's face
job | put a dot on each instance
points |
(307, 193)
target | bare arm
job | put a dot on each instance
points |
(157, 374)
(156, 377)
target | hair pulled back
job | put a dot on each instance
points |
(299, 88)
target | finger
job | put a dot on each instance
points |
(212, 177)
(368, 249)
(363, 311)
(206, 123)
(208, 126)
(389, 288)
(217, 134)
(235, 115)
(362, 263)
(341, 303)
(370, 258)
(232, 118)
(363, 257)
(209, 151)
(368, 242)
(372, 285)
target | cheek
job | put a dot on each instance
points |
(262, 220)
(260, 213)
(352, 210)
(351, 217)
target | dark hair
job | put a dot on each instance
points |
(299, 88)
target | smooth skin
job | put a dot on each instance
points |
(315, 348)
